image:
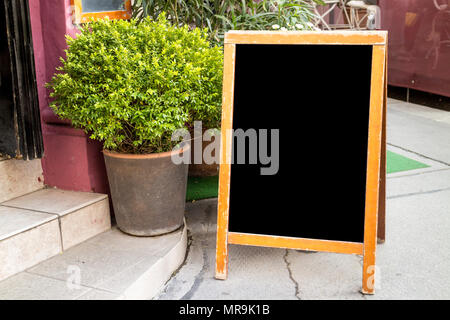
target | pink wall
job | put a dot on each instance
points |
(419, 44)
(71, 160)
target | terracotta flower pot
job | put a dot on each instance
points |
(202, 169)
(148, 191)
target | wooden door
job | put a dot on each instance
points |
(20, 128)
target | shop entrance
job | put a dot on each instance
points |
(20, 128)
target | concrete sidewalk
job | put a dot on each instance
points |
(414, 263)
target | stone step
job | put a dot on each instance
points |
(44, 223)
(19, 177)
(111, 265)
(26, 238)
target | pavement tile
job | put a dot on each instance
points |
(26, 286)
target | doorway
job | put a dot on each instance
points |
(20, 127)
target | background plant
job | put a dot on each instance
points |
(219, 16)
(132, 84)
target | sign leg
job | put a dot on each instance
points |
(381, 229)
(225, 162)
(221, 254)
(369, 269)
(374, 169)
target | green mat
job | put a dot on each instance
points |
(397, 163)
(207, 187)
(202, 188)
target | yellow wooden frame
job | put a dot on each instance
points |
(376, 163)
(81, 17)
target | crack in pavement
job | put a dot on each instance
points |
(288, 266)
(190, 239)
(199, 277)
(199, 240)
(416, 193)
(406, 175)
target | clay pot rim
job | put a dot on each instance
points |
(114, 154)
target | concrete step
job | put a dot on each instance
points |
(111, 265)
(19, 177)
(44, 223)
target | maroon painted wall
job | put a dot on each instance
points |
(71, 160)
(419, 44)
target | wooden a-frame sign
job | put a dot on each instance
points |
(375, 170)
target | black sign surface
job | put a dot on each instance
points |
(318, 97)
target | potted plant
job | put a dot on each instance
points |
(131, 85)
(219, 17)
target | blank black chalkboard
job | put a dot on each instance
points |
(318, 96)
(324, 95)
(102, 5)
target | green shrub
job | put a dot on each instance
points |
(219, 16)
(131, 85)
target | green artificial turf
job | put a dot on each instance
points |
(397, 163)
(202, 188)
(207, 187)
